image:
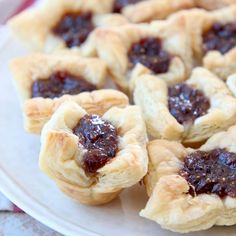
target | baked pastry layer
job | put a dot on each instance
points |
(113, 46)
(151, 94)
(145, 11)
(61, 155)
(37, 111)
(170, 204)
(213, 4)
(231, 83)
(34, 26)
(221, 65)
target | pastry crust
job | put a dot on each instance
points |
(221, 65)
(34, 26)
(151, 94)
(37, 111)
(64, 164)
(213, 4)
(170, 204)
(113, 44)
(148, 10)
(231, 82)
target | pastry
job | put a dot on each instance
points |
(46, 81)
(189, 189)
(92, 158)
(223, 65)
(61, 24)
(142, 11)
(213, 4)
(190, 111)
(213, 37)
(231, 82)
(159, 47)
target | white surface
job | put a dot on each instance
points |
(23, 183)
(12, 224)
(5, 204)
(7, 8)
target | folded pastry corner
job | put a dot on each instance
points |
(190, 189)
(92, 158)
(46, 81)
(190, 111)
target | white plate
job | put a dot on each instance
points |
(23, 183)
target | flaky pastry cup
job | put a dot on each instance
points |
(148, 10)
(61, 155)
(151, 94)
(170, 204)
(34, 26)
(113, 45)
(197, 22)
(37, 111)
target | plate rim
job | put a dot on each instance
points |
(19, 197)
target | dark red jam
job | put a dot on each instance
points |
(59, 84)
(120, 4)
(187, 104)
(99, 138)
(211, 172)
(149, 52)
(74, 28)
(221, 37)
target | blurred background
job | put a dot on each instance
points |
(9, 8)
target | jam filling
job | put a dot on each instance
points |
(221, 37)
(74, 28)
(120, 4)
(99, 138)
(211, 172)
(149, 52)
(186, 104)
(59, 84)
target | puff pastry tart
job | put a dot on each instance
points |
(61, 24)
(213, 37)
(213, 4)
(159, 48)
(191, 189)
(145, 10)
(46, 81)
(92, 158)
(190, 111)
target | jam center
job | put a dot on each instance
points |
(120, 4)
(74, 28)
(186, 104)
(211, 172)
(221, 37)
(99, 138)
(149, 52)
(59, 84)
